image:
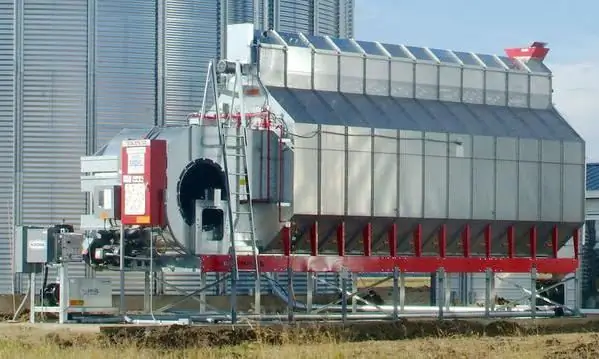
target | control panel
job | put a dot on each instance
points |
(107, 202)
(36, 246)
(143, 171)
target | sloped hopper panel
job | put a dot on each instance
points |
(361, 158)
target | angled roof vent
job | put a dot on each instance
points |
(536, 51)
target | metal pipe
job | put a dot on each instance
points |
(316, 317)
(121, 269)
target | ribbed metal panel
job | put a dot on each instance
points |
(125, 66)
(328, 17)
(300, 283)
(246, 283)
(188, 281)
(346, 21)
(7, 71)
(241, 11)
(592, 177)
(54, 111)
(589, 266)
(296, 15)
(125, 82)
(93, 67)
(191, 29)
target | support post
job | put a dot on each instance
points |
(395, 293)
(402, 292)
(447, 290)
(341, 239)
(533, 242)
(392, 239)
(146, 292)
(441, 292)
(203, 284)
(354, 289)
(122, 309)
(367, 239)
(442, 240)
(511, 234)
(555, 240)
(290, 295)
(314, 239)
(32, 294)
(258, 295)
(309, 292)
(488, 244)
(466, 241)
(418, 240)
(533, 292)
(344, 277)
(286, 237)
(233, 298)
(63, 293)
(488, 291)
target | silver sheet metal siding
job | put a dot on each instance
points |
(241, 11)
(125, 66)
(346, 18)
(54, 110)
(327, 17)
(52, 121)
(246, 284)
(7, 75)
(125, 51)
(295, 15)
(190, 36)
(89, 69)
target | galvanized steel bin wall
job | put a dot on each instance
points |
(72, 74)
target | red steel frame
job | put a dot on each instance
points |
(417, 263)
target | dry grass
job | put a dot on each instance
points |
(19, 341)
(545, 347)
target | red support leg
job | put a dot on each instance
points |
(488, 236)
(286, 234)
(466, 241)
(554, 240)
(418, 240)
(392, 238)
(533, 242)
(367, 234)
(314, 239)
(576, 239)
(442, 241)
(511, 234)
(341, 239)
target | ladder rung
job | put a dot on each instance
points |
(237, 174)
(243, 212)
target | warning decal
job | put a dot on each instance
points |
(136, 160)
(135, 199)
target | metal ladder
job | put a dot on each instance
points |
(240, 172)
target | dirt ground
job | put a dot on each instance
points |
(191, 336)
(559, 338)
(404, 339)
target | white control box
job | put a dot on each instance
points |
(90, 293)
